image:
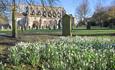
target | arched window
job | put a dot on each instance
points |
(59, 15)
(54, 14)
(44, 13)
(55, 22)
(32, 12)
(44, 22)
(35, 24)
(49, 14)
(27, 9)
(50, 22)
(38, 13)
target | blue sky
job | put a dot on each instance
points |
(70, 5)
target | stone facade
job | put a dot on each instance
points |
(40, 17)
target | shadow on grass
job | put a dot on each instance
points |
(8, 43)
(50, 34)
(9, 36)
(7, 40)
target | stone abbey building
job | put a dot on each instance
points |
(39, 17)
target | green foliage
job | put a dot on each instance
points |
(88, 25)
(2, 66)
(31, 55)
(15, 56)
(68, 53)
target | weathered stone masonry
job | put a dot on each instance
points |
(40, 17)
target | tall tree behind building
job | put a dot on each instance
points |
(82, 11)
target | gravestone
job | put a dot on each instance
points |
(66, 25)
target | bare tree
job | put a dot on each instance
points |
(13, 3)
(3, 5)
(83, 10)
(100, 13)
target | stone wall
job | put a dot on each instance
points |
(43, 23)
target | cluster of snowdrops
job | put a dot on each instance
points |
(65, 53)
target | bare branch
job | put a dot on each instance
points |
(83, 9)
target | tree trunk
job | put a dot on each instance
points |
(111, 25)
(88, 25)
(14, 25)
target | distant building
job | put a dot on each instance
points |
(37, 16)
(4, 23)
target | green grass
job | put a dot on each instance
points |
(44, 35)
(80, 32)
(93, 32)
(106, 33)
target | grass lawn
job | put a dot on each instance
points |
(94, 32)
(45, 35)
(80, 32)
(83, 32)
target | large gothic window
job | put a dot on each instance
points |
(49, 14)
(44, 13)
(38, 13)
(59, 15)
(27, 10)
(54, 14)
(32, 12)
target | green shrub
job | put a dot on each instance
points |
(2, 66)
